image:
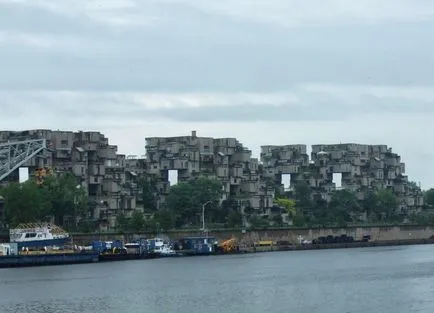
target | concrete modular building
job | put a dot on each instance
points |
(224, 159)
(95, 163)
(363, 168)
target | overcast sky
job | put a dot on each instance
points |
(263, 71)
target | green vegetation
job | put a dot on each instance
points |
(288, 204)
(345, 208)
(183, 208)
(59, 198)
(148, 198)
(429, 197)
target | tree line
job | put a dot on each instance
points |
(183, 209)
(60, 198)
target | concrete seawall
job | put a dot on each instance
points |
(402, 233)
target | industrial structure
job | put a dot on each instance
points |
(100, 171)
(16, 153)
(112, 180)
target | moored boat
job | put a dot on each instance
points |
(165, 250)
(11, 256)
(38, 235)
(117, 251)
(38, 244)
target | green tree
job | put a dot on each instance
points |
(277, 220)
(149, 199)
(122, 223)
(164, 219)
(387, 203)
(26, 202)
(234, 219)
(227, 207)
(299, 221)
(68, 199)
(137, 222)
(370, 203)
(257, 222)
(424, 219)
(58, 197)
(343, 205)
(429, 197)
(302, 193)
(185, 199)
(288, 204)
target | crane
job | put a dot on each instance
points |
(16, 153)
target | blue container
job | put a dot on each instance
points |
(117, 244)
(99, 246)
(200, 245)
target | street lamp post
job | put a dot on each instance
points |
(203, 214)
(78, 187)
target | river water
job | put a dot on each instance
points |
(361, 280)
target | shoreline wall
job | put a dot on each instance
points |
(391, 233)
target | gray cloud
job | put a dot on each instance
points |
(303, 103)
(266, 72)
(189, 48)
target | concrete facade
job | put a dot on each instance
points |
(224, 159)
(112, 180)
(363, 168)
(96, 164)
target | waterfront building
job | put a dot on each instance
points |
(224, 159)
(99, 169)
(362, 168)
(113, 181)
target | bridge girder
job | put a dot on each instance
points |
(14, 154)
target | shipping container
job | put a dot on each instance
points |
(198, 245)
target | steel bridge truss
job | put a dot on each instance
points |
(14, 154)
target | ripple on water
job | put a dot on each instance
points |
(328, 281)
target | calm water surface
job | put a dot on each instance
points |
(364, 280)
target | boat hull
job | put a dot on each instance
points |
(169, 255)
(110, 257)
(42, 243)
(47, 259)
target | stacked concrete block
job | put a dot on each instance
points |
(224, 159)
(363, 168)
(89, 156)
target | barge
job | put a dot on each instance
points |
(10, 256)
(110, 251)
(39, 244)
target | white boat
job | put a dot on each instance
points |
(165, 250)
(38, 235)
(160, 247)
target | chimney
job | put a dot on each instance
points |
(193, 133)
